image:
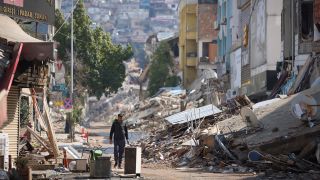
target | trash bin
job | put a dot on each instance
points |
(100, 167)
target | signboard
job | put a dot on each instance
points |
(237, 58)
(67, 103)
(258, 35)
(235, 74)
(60, 72)
(35, 10)
(59, 87)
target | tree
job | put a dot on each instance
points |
(160, 73)
(99, 63)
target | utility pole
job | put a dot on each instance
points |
(71, 93)
(71, 90)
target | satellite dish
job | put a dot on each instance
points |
(249, 117)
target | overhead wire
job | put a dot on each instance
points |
(65, 35)
(65, 20)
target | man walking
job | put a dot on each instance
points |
(119, 133)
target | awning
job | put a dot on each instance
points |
(33, 49)
(12, 32)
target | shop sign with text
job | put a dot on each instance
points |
(34, 10)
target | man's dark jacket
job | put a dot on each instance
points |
(119, 130)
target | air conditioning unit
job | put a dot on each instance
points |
(216, 25)
(232, 93)
(223, 21)
(4, 151)
(204, 59)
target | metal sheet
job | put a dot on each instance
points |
(193, 114)
(11, 126)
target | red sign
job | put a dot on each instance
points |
(59, 65)
(316, 12)
(14, 2)
(3, 107)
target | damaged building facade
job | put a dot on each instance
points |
(244, 44)
(300, 32)
(249, 45)
(24, 63)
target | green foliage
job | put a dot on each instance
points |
(99, 62)
(172, 81)
(159, 73)
(76, 114)
(63, 37)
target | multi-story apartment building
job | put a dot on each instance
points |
(197, 38)
(255, 27)
(188, 41)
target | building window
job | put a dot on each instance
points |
(205, 49)
(307, 21)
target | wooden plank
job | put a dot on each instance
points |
(50, 132)
(37, 110)
(39, 139)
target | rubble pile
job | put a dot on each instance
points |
(149, 114)
(239, 136)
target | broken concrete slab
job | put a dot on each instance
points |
(291, 135)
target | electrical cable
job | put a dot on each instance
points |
(65, 20)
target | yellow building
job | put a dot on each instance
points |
(188, 41)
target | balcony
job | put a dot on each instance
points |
(191, 35)
(192, 61)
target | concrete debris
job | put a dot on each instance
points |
(239, 137)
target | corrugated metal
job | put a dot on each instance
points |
(193, 114)
(11, 126)
(245, 70)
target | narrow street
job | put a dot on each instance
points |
(159, 89)
(99, 136)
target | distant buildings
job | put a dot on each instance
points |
(132, 21)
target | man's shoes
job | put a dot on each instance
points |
(115, 165)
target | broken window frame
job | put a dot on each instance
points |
(304, 21)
